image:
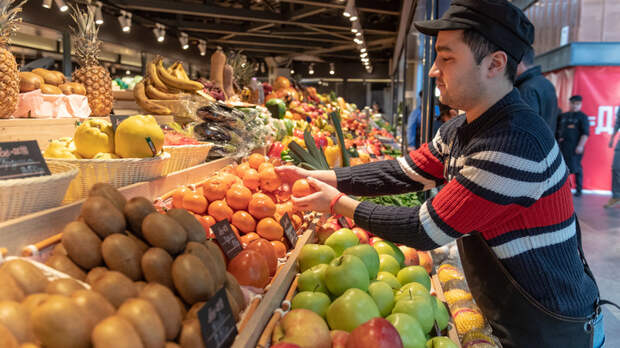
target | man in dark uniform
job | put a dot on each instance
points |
(573, 131)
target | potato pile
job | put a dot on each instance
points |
(147, 282)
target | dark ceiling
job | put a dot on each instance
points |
(297, 29)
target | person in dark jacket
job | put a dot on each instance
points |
(615, 167)
(536, 90)
(573, 132)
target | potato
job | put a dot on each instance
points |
(33, 302)
(166, 306)
(59, 249)
(50, 89)
(94, 305)
(95, 274)
(54, 78)
(195, 231)
(122, 254)
(115, 287)
(144, 318)
(16, 318)
(192, 279)
(139, 285)
(83, 246)
(115, 332)
(59, 323)
(7, 340)
(10, 290)
(29, 81)
(77, 88)
(201, 251)
(106, 190)
(102, 216)
(164, 232)
(135, 211)
(66, 89)
(157, 267)
(28, 277)
(191, 336)
(65, 265)
(64, 287)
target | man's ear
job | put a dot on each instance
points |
(497, 64)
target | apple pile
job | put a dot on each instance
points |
(366, 295)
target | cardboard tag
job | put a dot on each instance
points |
(343, 222)
(227, 239)
(21, 159)
(289, 230)
(217, 322)
(116, 120)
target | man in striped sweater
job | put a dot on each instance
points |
(503, 172)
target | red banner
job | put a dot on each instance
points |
(600, 88)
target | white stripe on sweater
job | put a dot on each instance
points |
(530, 243)
(413, 175)
(434, 232)
(517, 162)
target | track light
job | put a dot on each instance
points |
(332, 69)
(311, 69)
(364, 54)
(61, 5)
(184, 40)
(127, 72)
(358, 41)
(98, 13)
(354, 17)
(202, 47)
(363, 49)
(47, 3)
(125, 20)
(160, 32)
(292, 72)
(348, 9)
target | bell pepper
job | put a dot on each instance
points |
(333, 156)
(298, 133)
(94, 136)
(320, 140)
(276, 149)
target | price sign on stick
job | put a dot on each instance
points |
(21, 159)
(217, 322)
(116, 120)
(227, 239)
(289, 230)
(343, 222)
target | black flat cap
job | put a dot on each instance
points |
(575, 98)
(499, 21)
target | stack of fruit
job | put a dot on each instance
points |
(49, 82)
(350, 287)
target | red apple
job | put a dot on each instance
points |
(350, 222)
(373, 240)
(326, 230)
(375, 333)
(285, 345)
(304, 328)
(411, 255)
(426, 260)
(362, 235)
(339, 338)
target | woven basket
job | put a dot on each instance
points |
(117, 172)
(28, 195)
(185, 156)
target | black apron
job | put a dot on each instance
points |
(517, 319)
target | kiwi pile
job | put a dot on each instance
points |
(150, 273)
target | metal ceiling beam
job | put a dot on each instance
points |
(370, 44)
(266, 44)
(326, 32)
(363, 6)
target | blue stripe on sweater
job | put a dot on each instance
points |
(512, 235)
(510, 172)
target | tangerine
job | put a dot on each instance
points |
(301, 188)
(251, 179)
(255, 160)
(279, 248)
(296, 219)
(242, 168)
(264, 166)
(269, 180)
(261, 206)
(269, 229)
(235, 231)
(244, 221)
(215, 188)
(283, 194)
(238, 197)
(228, 179)
(249, 238)
(177, 197)
(194, 202)
(219, 210)
(207, 221)
(283, 208)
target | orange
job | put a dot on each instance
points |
(251, 179)
(301, 188)
(177, 197)
(206, 222)
(242, 168)
(250, 268)
(255, 160)
(238, 197)
(249, 238)
(261, 206)
(219, 210)
(244, 221)
(227, 178)
(279, 248)
(194, 202)
(264, 166)
(296, 220)
(269, 180)
(265, 249)
(283, 194)
(269, 229)
(283, 208)
(215, 188)
(235, 231)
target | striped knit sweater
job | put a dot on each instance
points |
(505, 177)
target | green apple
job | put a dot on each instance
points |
(410, 290)
(346, 272)
(390, 279)
(383, 295)
(315, 301)
(388, 263)
(442, 316)
(342, 239)
(313, 279)
(409, 329)
(315, 254)
(440, 342)
(388, 248)
(414, 274)
(368, 255)
(419, 308)
(351, 310)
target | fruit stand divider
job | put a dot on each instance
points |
(17, 233)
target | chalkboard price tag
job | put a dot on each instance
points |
(116, 120)
(343, 222)
(289, 230)
(217, 322)
(21, 159)
(227, 239)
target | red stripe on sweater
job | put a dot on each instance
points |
(424, 159)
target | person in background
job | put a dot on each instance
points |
(446, 113)
(536, 91)
(413, 125)
(615, 167)
(572, 134)
(376, 109)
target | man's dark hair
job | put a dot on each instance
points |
(481, 47)
(528, 57)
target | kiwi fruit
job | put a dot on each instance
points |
(233, 286)
(201, 252)
(139, 242)
(166, 306)
(139, 285)
(234, 306)
(10, 291)
(94, 305)
(194, 229)
(64, 286)
(191, 336)
(115, 287)
(65, 265)
(145, 319)
(193, 311)
(135, 211)
(183, 306)
(110, 193)
(122, 254)
(157, 267)
(172, 345)
(33, 301)
(164, 232)
(192, 279)
(217, 254)
(102, 216)
(115, 332)
(59, 249)
(59, 323)
(82, 245)
(28, 277)
(15, 317)
(7, 340)
(95, 274)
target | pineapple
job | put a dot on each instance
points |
(9, 77)
(91, 74)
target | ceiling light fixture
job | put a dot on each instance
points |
(292, 72)
(202, 47)
(354, 17)
(98, 13)
(125, 20)
(358, 41)
(348, 9)
(61, 5)
(47, 3)
(363, 49)
(184, 40)
(311, 69)
(332, 69)
(160, 32)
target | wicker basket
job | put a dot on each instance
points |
(117, 172)
(185, 156)
(28, 195)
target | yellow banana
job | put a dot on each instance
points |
(170, 69)
(152, 73)
(173, 81)
(148, 105)
(154, 93)
(179, 71)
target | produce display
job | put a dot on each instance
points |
(9, 79)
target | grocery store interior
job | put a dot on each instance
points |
(160, 168)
